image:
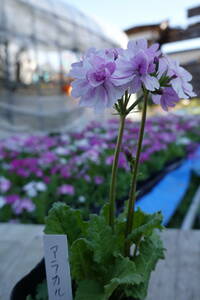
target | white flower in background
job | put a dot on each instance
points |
(5, 166)
(40, 186)
(2, 201)
(5, 184)
(72, 147)
(183, 141)
(63, 161)
(80, 160)
(97, 130)
(82, 143)
(65, 138)
(81, 199)
(89, 134)
(32, 188)
(156, 128)
(61, 151)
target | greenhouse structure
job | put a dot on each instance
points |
(38, 42)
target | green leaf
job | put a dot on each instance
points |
(102, 240)
(123, 273)
(42, 293)
(105, 212)
(144, 224)
(90, 290)
(64, 220)
(29, 297)
(151, 250)
(82, 264)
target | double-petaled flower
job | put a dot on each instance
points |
(102, 77)
(94, 80)
(174, 81)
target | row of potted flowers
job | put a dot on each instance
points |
(39, 170)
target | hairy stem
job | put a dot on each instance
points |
(132, 194)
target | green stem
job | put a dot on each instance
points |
(132, 194)
(112, 194)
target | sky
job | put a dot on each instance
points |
(128, 13)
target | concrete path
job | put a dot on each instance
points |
(175, 278)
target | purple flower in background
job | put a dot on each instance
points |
(93, 82)
(98, 179)
(87, 178)
(66, 189)
(21, 205)
(109, 160)
(144, 157)
(47, 158)
(166, 98)
(136, 65)
(47, 179)
(10, 199)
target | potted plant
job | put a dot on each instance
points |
(112, 256)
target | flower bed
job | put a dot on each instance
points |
(39, 170)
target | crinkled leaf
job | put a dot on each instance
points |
(81, 259)
(151, 250)
(123, 273)
(144, 224)
(102, 240)
(90, 290)
(63, 219)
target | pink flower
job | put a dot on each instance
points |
(166, 98)
(174, 81)
(180, 82)
(136, 65)
(10, 199)
(93, 82)
(66, 189)
(21, 205)
(98, 180)
(179, 77)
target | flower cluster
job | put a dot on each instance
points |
(102, 77)
(75, 167)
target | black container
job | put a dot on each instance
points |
(28, 284)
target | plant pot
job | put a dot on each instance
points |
(28, 284)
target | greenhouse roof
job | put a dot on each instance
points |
(66, 11)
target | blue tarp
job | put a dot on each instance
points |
(168, 193)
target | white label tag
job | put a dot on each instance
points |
(57, 267)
